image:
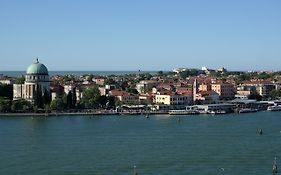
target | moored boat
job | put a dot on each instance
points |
(183, 112)
(274, 108)
(248, 110)
(216, 112)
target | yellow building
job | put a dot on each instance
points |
(175, 101)
(226, 91)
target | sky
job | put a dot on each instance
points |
(128, 35)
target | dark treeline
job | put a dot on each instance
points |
(64, 102)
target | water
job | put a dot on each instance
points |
(112, 145)
(78, 73)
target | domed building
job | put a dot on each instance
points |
(36, 83)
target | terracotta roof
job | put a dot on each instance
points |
(257, 82)
(206, 92)
(187, 93)
(6, 78)
(120, 93)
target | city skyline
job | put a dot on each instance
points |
(146, 35)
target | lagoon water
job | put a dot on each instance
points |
(160, 145)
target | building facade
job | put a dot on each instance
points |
(36, 83)
(175, 101)
(226, 91)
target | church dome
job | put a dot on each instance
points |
(37, 69)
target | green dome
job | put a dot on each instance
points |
(37, 68)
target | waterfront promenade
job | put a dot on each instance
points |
(96, 113)
(106, 113)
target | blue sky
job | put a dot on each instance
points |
(146, 35)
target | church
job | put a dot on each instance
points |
(36, 82)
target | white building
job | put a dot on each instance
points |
(36, 81)
(145, 85)
(8, 81)
(73, 89)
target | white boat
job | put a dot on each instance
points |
(216, 112)
(183, 112)
(248, 110)
(274, 108)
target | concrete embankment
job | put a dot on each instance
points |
(53, 114)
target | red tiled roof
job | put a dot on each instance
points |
(120, 93)
(257, 82)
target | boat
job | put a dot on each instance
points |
(221, 112)
(274, 167)
(260, 132)
(216, 112)
(147, 116)
(274, 108)
(183, 112)
(211, 112)
(135, 170)
(179, 120)
(248, 110)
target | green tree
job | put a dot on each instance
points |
(145, 76)
(124, 85)
(6, 91)
(255, 96)
(118, 102)
(132, 90)
(111, 102)
(21, 105)
(160, 73)
(102, 100)
(38, 97)
(58, 104)
(68, 78)
(74, 97)
(71, 99)
(216, 74)
(187, 73)
(20, 80)
(243, 77)
(110, 81)
(90, 78)
(91, 96)
(5, 104)
(264, 75)
(46, 97)
(275, 94)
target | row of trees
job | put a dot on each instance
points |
(91, 99)
(7, 105)
(42, 101)
(6, 100)
(273, 95)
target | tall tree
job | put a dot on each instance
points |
(6, 91)
(102, 100)
(20, 105)
(74, 97)
(275, 94)
(255, 96)
(46, 97)
(38, 98)
(160, 73)
(91, 96)
(69, 100)
(58, 104)
(5, 104)
(20, 80)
